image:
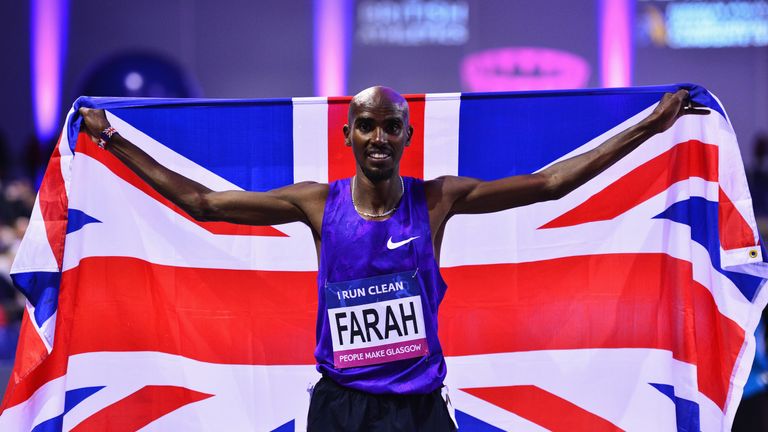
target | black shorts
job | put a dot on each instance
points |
(337, 408)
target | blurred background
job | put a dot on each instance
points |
(59, 49)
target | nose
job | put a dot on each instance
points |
(379, 135)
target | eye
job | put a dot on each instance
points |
(394, 128)
(364, 126)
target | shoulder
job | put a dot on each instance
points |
(309, 197)
(442, 192)
(450, 187)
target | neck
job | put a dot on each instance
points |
(376, 197)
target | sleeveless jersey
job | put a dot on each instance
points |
(379, 289)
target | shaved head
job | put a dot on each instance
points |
(377, 97)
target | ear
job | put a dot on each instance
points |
(409, 132)
(347, 141)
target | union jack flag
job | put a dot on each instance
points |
(629, 304)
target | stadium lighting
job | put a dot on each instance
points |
(48, 30)
(332, 30)
(615, 42)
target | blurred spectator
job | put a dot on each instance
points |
(757, 175)
(35, 158)
(5, 157)
(16, 200)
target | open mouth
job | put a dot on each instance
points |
(378, 156)
(378, 153)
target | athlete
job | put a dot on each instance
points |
(378, 238)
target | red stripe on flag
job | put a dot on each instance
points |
(53, 204)
(140, 409)
(213, 315)
(598, 301)
(543, 408)
(412, 163)
(688, 159)
(268, 317)
(735, 232)
(341, 162)
(87, 147)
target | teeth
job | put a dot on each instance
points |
(379, 155)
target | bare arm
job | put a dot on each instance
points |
(294, 203)
(466, 195)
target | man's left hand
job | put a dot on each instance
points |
(672, 107)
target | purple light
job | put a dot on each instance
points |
(332, 39)
(615, 42)
(48, 25)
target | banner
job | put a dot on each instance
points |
(629, 304)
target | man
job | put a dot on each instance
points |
(378, 239)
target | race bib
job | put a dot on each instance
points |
(376, 320)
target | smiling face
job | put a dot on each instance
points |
(378, 131)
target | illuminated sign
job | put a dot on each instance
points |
(412, 22)
(698, 24)
(523, 68)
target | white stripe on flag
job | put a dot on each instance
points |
(611, 383)
(35, 252)
(47, 402)
(441, 135)
(245, 397)
(65, 152)
(46, 330)
(135, 225)
(310, 139)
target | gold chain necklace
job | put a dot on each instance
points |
(376, 215)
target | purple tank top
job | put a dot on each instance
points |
(379, 288)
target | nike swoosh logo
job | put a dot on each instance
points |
(394, 245)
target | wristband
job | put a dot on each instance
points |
(106, 135)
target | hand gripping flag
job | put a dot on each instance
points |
(629, 304)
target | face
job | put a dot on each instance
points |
(378, 132)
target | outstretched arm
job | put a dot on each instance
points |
(294, 203)
(466, 195)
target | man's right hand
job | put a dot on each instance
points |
(95, 121)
